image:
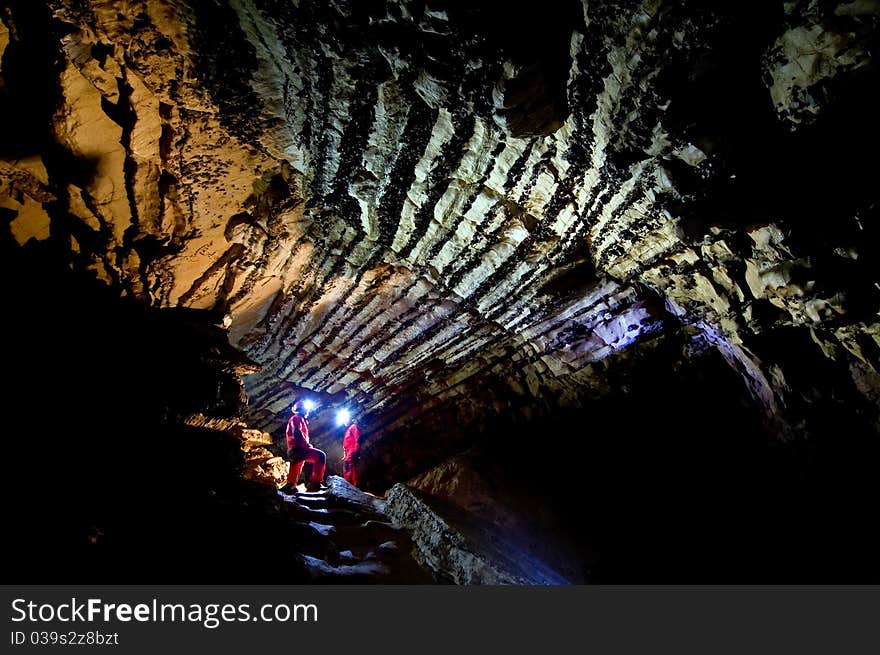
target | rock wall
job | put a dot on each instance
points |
(460, 550)
(443, 214)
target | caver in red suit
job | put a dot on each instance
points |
(350, 448)
(299, 448)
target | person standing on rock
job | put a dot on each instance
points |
(350, 448)
(300, 451)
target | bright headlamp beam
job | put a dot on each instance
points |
(342, 416)
(309, 404)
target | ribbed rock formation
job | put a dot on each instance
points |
(404, 202)
(447, 213)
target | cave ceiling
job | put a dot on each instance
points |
(397, 201)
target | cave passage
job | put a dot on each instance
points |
(597, 281)
(674, 479)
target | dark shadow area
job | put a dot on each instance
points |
(673, 479)
(103, 485)
(29, 90)
(537, 39)
(763, 167)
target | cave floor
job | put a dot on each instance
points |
(360, 542)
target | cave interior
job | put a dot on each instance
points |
(596, 279)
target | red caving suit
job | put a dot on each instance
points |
(350, 448)
(299, 451)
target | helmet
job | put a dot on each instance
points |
(303, 407)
